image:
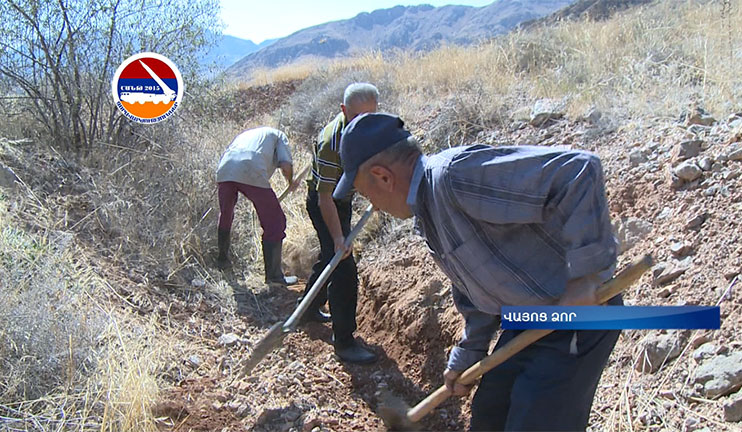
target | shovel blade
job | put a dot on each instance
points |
(270, 341)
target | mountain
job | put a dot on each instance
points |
(595, 10)
(418, 28)
(229, 49)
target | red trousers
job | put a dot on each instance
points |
(270, 215)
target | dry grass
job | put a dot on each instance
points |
(296, 71)
(128, 373)
(653, 61)
(71, 358)
(150, 203)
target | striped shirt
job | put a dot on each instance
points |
(326, 166)
(510, 226)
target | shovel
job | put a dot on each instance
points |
(279, 330)
(396, 415)
(297, 178)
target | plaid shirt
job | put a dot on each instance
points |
(326, 166)
(510, 226)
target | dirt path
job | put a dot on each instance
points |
(301, 386)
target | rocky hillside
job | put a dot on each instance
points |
(416, 28)
(115, 318)
(674, 190)
(589, 9)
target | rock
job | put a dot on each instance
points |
(735, 152)
(705, 351)
(701, 119)
(222, 396)
(317, 422)
(296, 365)
(241, 410)
(593, 117)
(699, 340)
(720, 375)
(675, 181)
(731, 273)
(194, 361)
(311, 425)
(631, 231)
(688, 171)
(670, 271)
(690, 424)
(666, 292)
(733, 408)
(711, 191)
(658, 269)
(736, 127)
(7, 178)
(545, 110)
(686, 150)
(292, 414)
(679, 249)
(665, 213)
(706, 163)
(521, 115)
(657, 349)
(637, 157)
(228, 339)
(696, 221)
(269, 415)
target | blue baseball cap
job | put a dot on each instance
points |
(365, 136)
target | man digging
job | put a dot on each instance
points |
(246, 167)
(331, 220)
(510, 226)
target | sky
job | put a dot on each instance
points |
(258, 20)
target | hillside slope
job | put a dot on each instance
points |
(417, 28)
(115, 317)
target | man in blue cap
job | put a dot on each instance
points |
(509, 226)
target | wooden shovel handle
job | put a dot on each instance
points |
(607, 291)
(297, 178)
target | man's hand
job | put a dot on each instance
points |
(292, 186)
(449, 377)
(340, 246)
(581, 292)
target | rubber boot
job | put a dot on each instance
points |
(222, 261)
(353, 352)
(273, 267)
(313, 314)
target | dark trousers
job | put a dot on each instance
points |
(549, 386)
(341, 288)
